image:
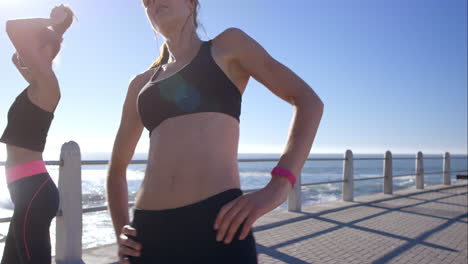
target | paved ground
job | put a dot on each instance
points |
(411, 226)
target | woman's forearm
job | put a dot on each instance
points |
(308, 112)
(117, 199)
(24, 34)
(30, 25)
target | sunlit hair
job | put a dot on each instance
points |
(164, 52)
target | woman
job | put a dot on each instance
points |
(34, 194)
(190, 208)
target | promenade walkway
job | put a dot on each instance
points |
(411, 226)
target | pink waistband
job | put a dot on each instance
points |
(25, 170)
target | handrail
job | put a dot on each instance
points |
(320, 183)
(48, 162)
(368, 158)
(368, 178)
(133, 162)
(404, 175)
(130, 204)
(102, 162)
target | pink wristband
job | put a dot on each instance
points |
(284, 173)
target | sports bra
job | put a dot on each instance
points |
(28, 124)
(200, 86)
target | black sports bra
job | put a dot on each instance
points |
(28, 124)
(200, 86)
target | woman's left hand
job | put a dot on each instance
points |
(249, 208)
(21, 68)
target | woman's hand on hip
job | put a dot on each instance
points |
(127, 246)
(249, 208)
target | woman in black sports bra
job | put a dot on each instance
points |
(190, 208)
(34, 194)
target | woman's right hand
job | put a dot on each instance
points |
(127, 246)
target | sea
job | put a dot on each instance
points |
(97, 226)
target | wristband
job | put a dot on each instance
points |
(284, 173)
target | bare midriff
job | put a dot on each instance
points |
(18, 155)
(191, 158)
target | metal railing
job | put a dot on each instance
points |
(69, 217)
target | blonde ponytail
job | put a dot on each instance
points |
(163, 56)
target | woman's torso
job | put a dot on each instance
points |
(42, 98)
(194, 156)
(29, 120)
(18, 155)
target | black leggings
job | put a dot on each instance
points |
(186, 235)
(36, 201)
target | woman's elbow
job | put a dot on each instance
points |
(315, 100)
(313, 105)
(310, 100)
(318, 106)
(16, 35)
(319, 103)
(117, 166)
(9, 27)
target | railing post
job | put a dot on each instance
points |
(388, 173)
(348, 177)
(419, 171)
(69, 223)
(294, 197)
(447, 179)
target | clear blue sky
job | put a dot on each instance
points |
(392, 74)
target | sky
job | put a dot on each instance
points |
(392, 74)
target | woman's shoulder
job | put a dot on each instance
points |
(139, 80)
(144, 76)
(231, 34)
(232, 41)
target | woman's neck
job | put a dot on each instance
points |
(182, 46)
